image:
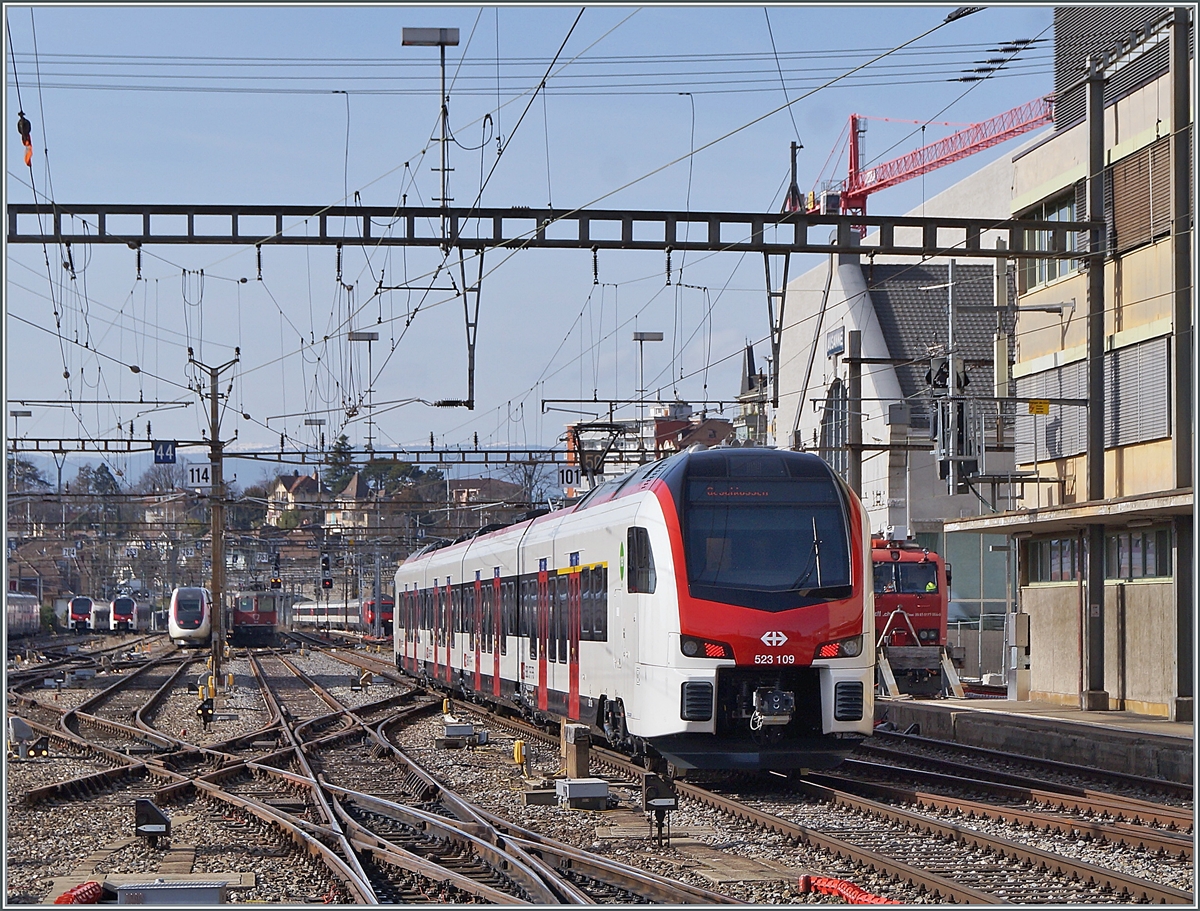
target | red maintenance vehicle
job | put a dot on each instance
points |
(912, 600)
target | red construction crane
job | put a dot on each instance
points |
(979, 136)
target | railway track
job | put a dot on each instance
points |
(949, 861)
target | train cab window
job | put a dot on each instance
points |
(760, 538)
(641, 561)
(885, 577)
(917, 578)
(188, 609)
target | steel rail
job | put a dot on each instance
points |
(515, 867)
(1122, 884)
(471, 815)
(1178, 788)
(359, 889)
(394, 856)
(1052, 792)
(651, 886)
(325, 809)
(1174, 844)
(940, 886)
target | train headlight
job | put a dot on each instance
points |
(841, 648)
(704, 648)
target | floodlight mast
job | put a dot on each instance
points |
(441, 38)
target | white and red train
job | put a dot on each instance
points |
(714, 607)
(189, 618)
(356, 616)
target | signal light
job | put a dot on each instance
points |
(327, 582)
(325, 564)
(695, 648)
(843, 648)
(276, 582)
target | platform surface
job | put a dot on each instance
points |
(1118, 741)
(1117, 721)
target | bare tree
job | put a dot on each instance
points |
(161, 478)
(534, 476)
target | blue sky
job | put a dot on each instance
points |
(306, 105)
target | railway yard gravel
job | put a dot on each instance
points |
(64, 837)
(487, 777)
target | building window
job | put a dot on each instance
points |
(835, 428)
(1141, 198)
(1036, 272)
(1130, 554)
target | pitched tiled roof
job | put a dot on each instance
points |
(912, 314)
(357, 489)
(303, 484)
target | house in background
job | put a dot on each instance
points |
(298, 495)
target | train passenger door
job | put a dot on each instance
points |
(477, 626)
(543, 632)
(448, 625)
(497, 628)
(573, 629)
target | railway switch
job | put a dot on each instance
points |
(149, 821)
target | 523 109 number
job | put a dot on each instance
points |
(774, 659)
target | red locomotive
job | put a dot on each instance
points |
(255, 617)
(385, 616)
(912, 599)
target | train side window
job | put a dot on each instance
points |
(585, 603)
(552, 626)
(534, 606)
(486, 631)
(601, 604)
(564, 616)
(641, 561)
(505, 616)
(523, 609)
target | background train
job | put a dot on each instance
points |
(357, 616)
(101, 618)
(714, 607)
(189, 618)
(255, 618)
(79, 614)
(125, 614)
(22, 614)
(912, 600)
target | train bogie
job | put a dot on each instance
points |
(714, 607)
(189, 618)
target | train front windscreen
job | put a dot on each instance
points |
(189, 611)
(768, 540)
(122, 608)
